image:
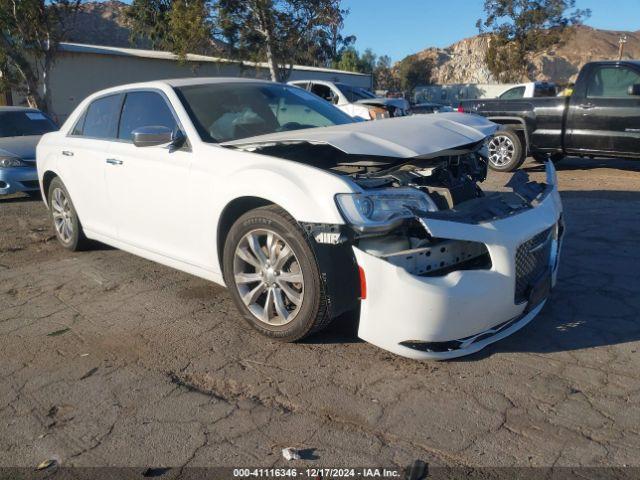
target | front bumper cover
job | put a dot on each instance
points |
(465, 309)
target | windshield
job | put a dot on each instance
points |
(226, 112)
(22, 124)
(354, 94)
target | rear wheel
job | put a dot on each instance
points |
(64, 217)
(273, 276)
(506, 152)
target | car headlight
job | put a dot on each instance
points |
(8, 162)
(382, 209)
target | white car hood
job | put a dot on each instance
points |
(404, 137)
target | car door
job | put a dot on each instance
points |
(82, 163)
(149, 186)
(603, 118)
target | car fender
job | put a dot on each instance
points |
(307, 193)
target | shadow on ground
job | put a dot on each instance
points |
(577, 163)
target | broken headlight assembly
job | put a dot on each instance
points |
(382, 210)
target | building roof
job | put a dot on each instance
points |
(18, 109)
(161, 55)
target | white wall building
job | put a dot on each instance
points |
(84, 69)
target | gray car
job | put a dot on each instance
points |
(20, 132)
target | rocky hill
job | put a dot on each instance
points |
(101, 23)
(463, 62)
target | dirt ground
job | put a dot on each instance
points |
(110, 360)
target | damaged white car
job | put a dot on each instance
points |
(305, 215)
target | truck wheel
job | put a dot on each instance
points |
(273, 276)
(506, 152)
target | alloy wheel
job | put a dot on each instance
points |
(268, 277)
(501, 151)
(62, 215)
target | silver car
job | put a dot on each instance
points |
(20, 132)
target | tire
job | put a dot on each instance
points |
(260, 278)
(506, 152)
(555, 158)
(64, 217)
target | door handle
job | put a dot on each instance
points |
(586, 106)
(67, 153)
(114, 161)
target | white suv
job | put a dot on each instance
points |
(354, 101)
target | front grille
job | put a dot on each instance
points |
(532, 258)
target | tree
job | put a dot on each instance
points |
(383, 77)
(283, 32)
(179, 26)
(30, 33)
(413, 71)
(368, 61)
(348, 61)
(520, 28)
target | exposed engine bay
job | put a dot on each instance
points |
(450, 180)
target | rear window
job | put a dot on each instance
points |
(612, 82)
(545, 90)
(101, 118)
(25, 123)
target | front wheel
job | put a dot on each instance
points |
(506, 152)
(273, 276)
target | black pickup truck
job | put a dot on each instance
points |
(600, 119)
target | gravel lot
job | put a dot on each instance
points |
(108, 359)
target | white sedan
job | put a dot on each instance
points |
(304, 214)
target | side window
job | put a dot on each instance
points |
(612, 82)
(517, 92)
(77, 130)
(323, 91)
(101, 118)
(144, 109)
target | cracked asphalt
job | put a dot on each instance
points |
(110, 360)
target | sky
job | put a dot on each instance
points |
(401, 27)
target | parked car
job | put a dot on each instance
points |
(354, 101)
(305, 213)
(601, 118)
(20, 131)
(530, 90)
(429, 107)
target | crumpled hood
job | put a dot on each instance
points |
(402, 137)
(22, 147)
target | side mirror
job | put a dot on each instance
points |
(634, 89)
(151, 136)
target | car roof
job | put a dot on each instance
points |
(178, 82)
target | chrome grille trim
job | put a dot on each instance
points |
(532, 258)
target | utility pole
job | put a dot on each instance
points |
(621, 42)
